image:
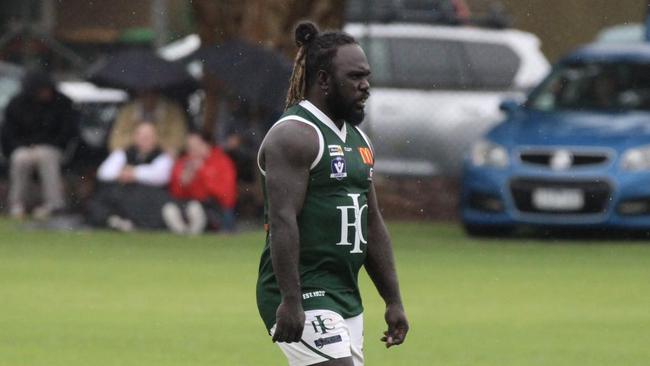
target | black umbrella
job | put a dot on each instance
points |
(140, 69)
(253, 73)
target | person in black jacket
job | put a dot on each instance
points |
(39, 124)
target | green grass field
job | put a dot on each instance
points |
(103, 298)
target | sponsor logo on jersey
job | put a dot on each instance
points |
(347, 148)
(335, 150)
(339, 169)
(320, 342)
(366, 156)
(356, 212)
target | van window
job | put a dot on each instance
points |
(492, 66)
(440, 64)
(426, 64)
(378, 53)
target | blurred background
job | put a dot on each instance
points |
(486, 116)
(424, 114)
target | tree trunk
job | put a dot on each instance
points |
(217, 21)
(265, 22)
(273, 23)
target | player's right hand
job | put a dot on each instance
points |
(289, 322)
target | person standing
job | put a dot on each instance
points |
(39, 124)
(322, 218)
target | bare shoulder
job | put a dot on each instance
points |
(295, 141)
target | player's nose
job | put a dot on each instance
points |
(364, 84)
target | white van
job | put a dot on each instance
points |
(436, 89)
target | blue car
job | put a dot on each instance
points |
(575, 154)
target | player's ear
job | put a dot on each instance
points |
(323, 81)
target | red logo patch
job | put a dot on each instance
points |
(366, 156)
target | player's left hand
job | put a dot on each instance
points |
(398, 326)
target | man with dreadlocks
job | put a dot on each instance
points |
(323, 222)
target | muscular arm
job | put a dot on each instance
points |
(380, 265)
(288, 151)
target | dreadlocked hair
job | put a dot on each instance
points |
(315, 52)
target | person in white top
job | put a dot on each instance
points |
(132, 184)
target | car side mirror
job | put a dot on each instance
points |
(509, 106)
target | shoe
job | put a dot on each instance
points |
(174, 218)
(120, 224)
(17, 212)
(196, 217)
(42, 213)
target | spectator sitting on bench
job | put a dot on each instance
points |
(204, 183)
(133, 184)
(39, 125)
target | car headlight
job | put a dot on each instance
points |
(486, 153)
(636, 159)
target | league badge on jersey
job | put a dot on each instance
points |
(339, 169)
(335, 150)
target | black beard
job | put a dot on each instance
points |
(342, 109)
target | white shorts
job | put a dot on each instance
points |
(326, 336)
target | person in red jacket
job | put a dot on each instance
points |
(204, 182)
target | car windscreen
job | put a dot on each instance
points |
(604, 86)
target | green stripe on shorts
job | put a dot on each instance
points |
(316, 351)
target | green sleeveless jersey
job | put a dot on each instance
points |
(332, 224)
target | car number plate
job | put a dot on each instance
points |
(558, 199)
